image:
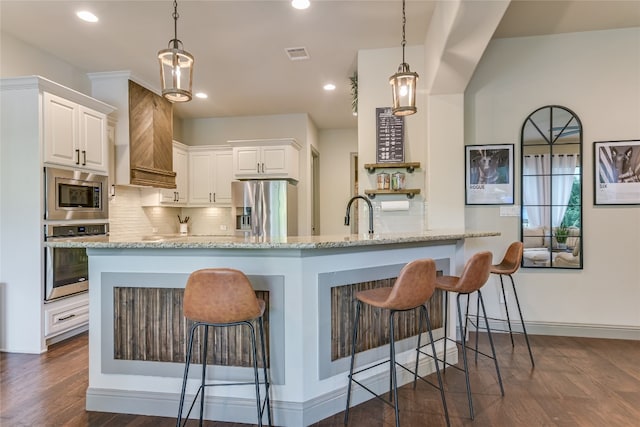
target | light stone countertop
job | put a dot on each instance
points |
(176, 241)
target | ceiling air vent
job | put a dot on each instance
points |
(297, 53)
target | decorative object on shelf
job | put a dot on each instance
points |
(403, 83)
(176, 67)
(410, 166)
(354, 93)
(617, 172)
(389, 136)
(383, 181)
(489, 174)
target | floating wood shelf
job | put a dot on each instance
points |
(410, 167)
(410, 192)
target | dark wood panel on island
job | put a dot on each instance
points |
(373, 328)
(149, 325)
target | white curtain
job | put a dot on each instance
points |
(563, 169)
(537, 191)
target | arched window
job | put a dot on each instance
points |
(551, 188)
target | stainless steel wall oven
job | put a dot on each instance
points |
(67, 269)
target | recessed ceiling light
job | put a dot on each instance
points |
(202, 95)
(300, 4)
(329, 86)
(87, 16)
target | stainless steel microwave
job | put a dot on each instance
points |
(74, 194)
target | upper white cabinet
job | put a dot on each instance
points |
(172, 196)
(266, 159)
(181, 168)
(210, 176)
(74, 135)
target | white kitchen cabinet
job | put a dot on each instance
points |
(66, 314)
(210, 175)
(266, 159)
(74, 135)
(172, 196)
(181, 168)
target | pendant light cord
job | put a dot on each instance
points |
(404, 22)
(175, 23)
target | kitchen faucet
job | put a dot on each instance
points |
(346, 217)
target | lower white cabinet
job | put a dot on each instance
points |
(66, 314)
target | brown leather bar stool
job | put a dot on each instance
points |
(509, 265)
(221, 297)
(413, 287)
(474, 275)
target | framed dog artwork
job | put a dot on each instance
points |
(616, 172)
(489, 174)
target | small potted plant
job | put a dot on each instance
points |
(562, 232)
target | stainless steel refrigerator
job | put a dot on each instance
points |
(265, 208)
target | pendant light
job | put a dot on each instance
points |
(403, 83)
(176, 67)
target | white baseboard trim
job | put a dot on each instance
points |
(581, 330)
(243, 410)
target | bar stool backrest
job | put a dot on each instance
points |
(511, 261)
(414, 286)
(220, 295)
(475, 273)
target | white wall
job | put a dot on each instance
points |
(375, 66)
(597, 75)
(18, 58)
(336, 146)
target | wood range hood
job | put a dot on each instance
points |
(141, 130)
(150, 138)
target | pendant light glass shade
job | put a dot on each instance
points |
(403, 89)
(403, 83)
(176, 67)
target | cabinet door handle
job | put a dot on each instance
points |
(62, 319)
(263, 168)
(258, 167)
(84, 157)
(77, 157)
(209, 197)
(214, 197)
(175, 196)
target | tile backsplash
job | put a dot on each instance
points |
(127, 217)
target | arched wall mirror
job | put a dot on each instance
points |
(551, 190)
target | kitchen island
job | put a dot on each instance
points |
(137, 334)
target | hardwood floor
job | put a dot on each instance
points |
(576, 382)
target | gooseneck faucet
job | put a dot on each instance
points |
(347, 215)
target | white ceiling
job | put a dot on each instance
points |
(239, 46)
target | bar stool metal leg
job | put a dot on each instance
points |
(524, 329)
(506, 308)
(186, 373)
(435, 359)
(265, 373)
(493, 349)
(464, 356)
(394, 380)
(354, 340)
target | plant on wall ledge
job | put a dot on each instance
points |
(354, 93)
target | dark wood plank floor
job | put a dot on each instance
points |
(576, 382)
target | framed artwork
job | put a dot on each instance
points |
(616, 172)
(489, 174)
